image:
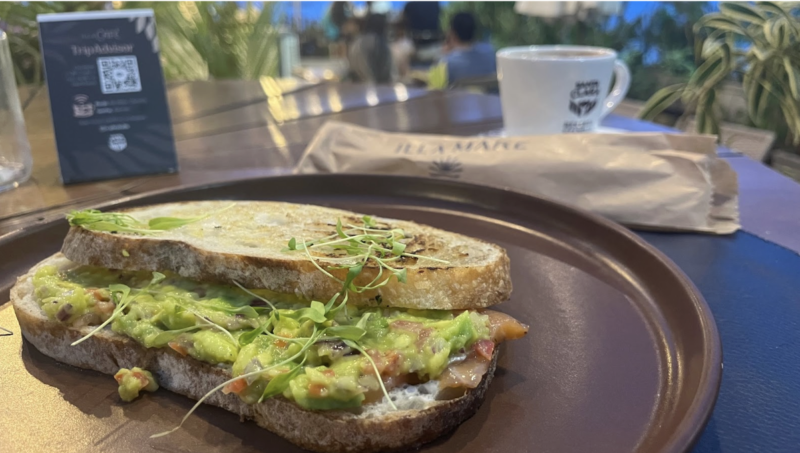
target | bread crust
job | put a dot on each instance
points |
(321, 431)
(477, 273)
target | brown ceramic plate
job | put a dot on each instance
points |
(623, 353)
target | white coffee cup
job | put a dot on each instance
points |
(558, 89)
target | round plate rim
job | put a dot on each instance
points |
(702, 406)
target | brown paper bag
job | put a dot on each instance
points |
(654, 180)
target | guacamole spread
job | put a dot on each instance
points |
(133, 381)
(322, 356)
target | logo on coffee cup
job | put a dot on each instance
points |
(583, 98)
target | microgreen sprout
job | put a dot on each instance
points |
(360, 246)
(117, 222)
(358, 348)
(214, 325)
(353, 248)
(256, 296)
(311, 340)
(279, 383)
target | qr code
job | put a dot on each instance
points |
(119, 74)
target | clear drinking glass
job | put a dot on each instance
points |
(15, 151)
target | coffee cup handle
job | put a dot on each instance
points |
(621, 85)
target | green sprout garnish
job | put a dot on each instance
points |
(321, 315)
(310, 341)
(360, 246)
(117, 222)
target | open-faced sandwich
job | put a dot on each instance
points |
(337, 331)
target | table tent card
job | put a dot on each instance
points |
(107, 94)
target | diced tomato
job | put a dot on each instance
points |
(280, 343)
(317, 390)
(484, 348)
(387, 365)
(392, 363)
(141, 378)
(329, 372)
(179, 348)
(236, 387)
(380, 364)
(504, 327)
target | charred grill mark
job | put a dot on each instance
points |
(416, 244)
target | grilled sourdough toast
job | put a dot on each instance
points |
(420, 418)
(244, 242)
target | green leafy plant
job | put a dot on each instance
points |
(198, 40)
(756, 43)
(18, 20)
(219, 40)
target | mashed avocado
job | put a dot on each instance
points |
(133, 381)
(297, 347)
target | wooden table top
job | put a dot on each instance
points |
(228, 130)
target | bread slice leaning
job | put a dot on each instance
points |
(420, 419)
(245, 244)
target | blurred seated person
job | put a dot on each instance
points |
(464, 57)
(369, 54)
(402, 50)
(335, 24)
(421, 20)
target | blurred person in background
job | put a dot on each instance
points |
(402, 49)
(338, 24)
(369, 54)
(423, 27)
(465, 58)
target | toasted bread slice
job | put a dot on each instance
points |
(420, 419)
(247, 243)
